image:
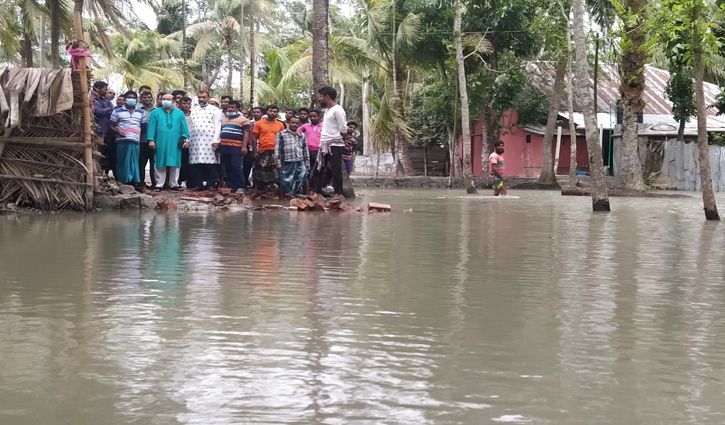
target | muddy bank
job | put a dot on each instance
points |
(124, 197)
(579, 188)
(619, 193)
(418, 182)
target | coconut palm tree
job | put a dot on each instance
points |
(223, 22)
(600, 197)
(320, 36)
(19, 22)
(348, 56)
(392, 33)
(145, 59)
(463, 90)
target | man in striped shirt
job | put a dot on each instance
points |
(127, 120)
(234, 141)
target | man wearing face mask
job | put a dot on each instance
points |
(234, 141)
(496, 168)
(167, 134)
(127, 121)
(205, 131)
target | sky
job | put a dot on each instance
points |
(146, 14)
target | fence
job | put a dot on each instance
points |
(681, 166)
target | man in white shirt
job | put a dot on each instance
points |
(205, 131)
(332, 140)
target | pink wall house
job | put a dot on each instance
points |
(524, 149)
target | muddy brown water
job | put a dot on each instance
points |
(468, 310)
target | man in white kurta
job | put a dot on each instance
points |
(205, 131)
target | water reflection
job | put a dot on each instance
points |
(469, 310)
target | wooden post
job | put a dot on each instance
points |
(87, 131)
(425, 161)
(558, 149)
(4, 142)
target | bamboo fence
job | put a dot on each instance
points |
(43, 162)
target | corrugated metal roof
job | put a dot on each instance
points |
(541, 75)
(603, 119)
(666, 125)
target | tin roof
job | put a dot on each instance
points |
(665, 125)
(541, 75)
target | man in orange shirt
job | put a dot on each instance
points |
(263, 135)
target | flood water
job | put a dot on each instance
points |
(467, 310)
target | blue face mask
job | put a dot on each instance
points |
(131, 102)
(232, 114)
(167, 104)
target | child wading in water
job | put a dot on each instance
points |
(495, 167)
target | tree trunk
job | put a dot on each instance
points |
(42, 42)
(425, 161)
(681, 130)
(230, 67)
(342, 95)
(320, 35)
(708, 196)
(241, 53)
(54, 33)
(84, 83)
(205, 73)
(27, 51)
(548, 175)
(631, 165)
(403, 140)
(252, 51)
(600, 197)
(452, 152)
(184, 69)
(572, 133)
(631, 87)
(367, 145)
(570, 109)
(463, 90)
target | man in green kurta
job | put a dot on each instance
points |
(167, 134)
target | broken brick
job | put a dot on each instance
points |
(379, 207)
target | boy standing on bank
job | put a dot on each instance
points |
(496, 168)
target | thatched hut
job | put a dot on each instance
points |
(44, 151)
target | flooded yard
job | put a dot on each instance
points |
(467, 310)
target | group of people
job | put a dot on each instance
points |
(219, 142)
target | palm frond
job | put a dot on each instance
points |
(409, 31)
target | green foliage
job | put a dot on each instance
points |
(681, 92)
(719, 104)
(717, 139)
(431, 109)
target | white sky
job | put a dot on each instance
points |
(146, 14)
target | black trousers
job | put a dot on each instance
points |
(248, 164)
(109, 153)
(313, 165)
(205, 173)
(332, 170)
(185, 174)
(146, 155)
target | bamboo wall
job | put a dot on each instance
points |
(42, 160)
